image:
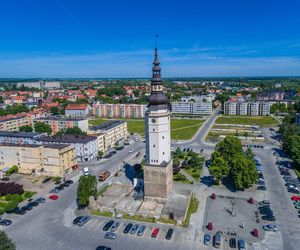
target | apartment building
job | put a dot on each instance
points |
(39, 85)
(86, 147)
(62, 123)
(41, 160)
(119, 110)
(20, 137)
(192, 108)
(254, 108)
(113, 132)
(199, 98)
(14, 122)
(230, 108)
(77, 110)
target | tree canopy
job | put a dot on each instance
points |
(87, 187)
(26, 128)
(5, 242)
(42, 128)
(229, 160)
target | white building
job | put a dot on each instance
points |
(39, 85)
(77, 110)
(199, 98)
(230, 108)
(247, 108)
(86, 147)
(192, 108)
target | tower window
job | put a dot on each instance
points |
(153, 145)
(163, 153)
(153, 129)
(163, 137)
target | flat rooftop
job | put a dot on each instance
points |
(68, 138)
(59, 118)
(20, 134)
(107, 125)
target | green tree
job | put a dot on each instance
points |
(87, 187)
(100, 154)
(219, 169)
(42, 128)
(243, 171)
(5, 242)
(54, 110)
(249, 153)
(26, 128)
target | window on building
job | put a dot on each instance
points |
(153, 145)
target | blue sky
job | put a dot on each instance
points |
(115, 38)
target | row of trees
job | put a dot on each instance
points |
(291, 138)
(229, 160)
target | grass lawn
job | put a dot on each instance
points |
(104, 213)
(193, 207)
(181, 129)
(247, 120)
(194, 173)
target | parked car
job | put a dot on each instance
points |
(232, 242)
(107, 226)
(110, 235)
(141, 230)
(115, 226)
(103, 248)
(130, 150)
(54, 191)
(5, 222)
(217, 240)
(104, 175)
(21, 211)
(76, 220)
(66, 184)
(270, 227)
(293, 191)
(241, 244)
(53, 197)
(40, 200)
(295, 198)
(70, 181)
(34, 203)
(263, 188)
(269, 218)
(169, 234)
(83, 220)
(155, 232)
(134, 228)
(127, 228)
(28, 207)
(207, 239)
(46, 180)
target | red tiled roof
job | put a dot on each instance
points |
(76, 106)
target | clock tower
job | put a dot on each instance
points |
(158, 170)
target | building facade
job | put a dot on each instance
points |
(192, 108)
(77, 110)
(40, 160)
(112, 132)
(86, 147)
(13, 123)
(119, 110)
(62, 123)
(39, 85)
(254, 108)
(19, 137)
(158, 170)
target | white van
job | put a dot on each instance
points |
(86, 171)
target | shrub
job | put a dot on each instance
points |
(16, 197)
(27, 195)
(196, 175)
(8, 197)
(10, 188)
(13, 169)
(11, 205)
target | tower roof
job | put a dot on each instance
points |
(157, 96)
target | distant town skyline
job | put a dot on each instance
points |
(115, 39)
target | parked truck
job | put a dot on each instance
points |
(104, 175)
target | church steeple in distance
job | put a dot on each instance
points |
(157, 97)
